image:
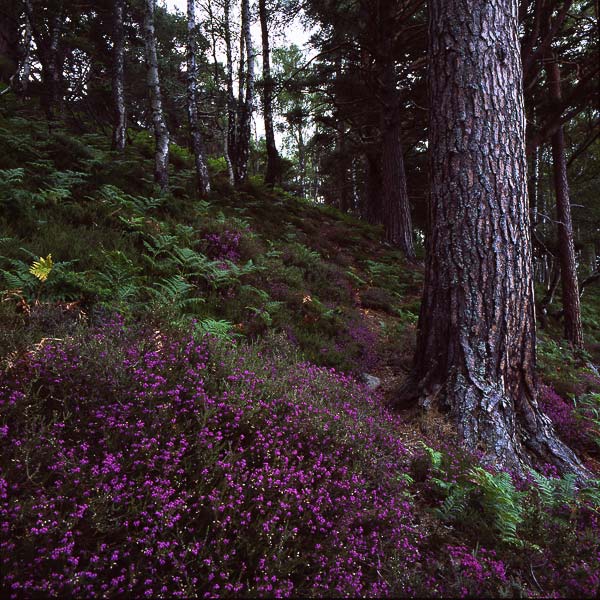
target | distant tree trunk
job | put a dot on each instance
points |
(344, 202)
(49, 52)
(161, 133)
(118, 76)
(301, 159)
(475, 353)
(192, 98)
(9, 43)
(397, 222)
(246, 106)
(231, 137)
(372, 208)
(26, 71)
(566, 246)
(272, 173)
(217, 77)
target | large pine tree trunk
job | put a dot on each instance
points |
(203, 182)
(566, 245)
(272, 173)
(372, 208)
(118, 77)
(476, 343)
(397, 221)
(161, 133)
(246, 106)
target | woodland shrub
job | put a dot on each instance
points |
(148, 462)
(136, 462)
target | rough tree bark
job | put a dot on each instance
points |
(203, 182)
(246, 105)
(231, 135)
(272, 173)
(475, 352)
(372, 208)
(118, 77)
(397, 221)
(566, 246)
(161, 133)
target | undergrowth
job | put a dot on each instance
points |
(181, 409)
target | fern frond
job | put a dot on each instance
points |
(501, 500)
(171, 289)
(42, 267)
(10, 177)
(218, 328)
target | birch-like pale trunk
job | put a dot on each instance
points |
(26, 71)
(231, 135)
(202, 178)
(118, 78)
(161, 133)
(246, 104)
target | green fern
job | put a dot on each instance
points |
(17, 281)
(170, 289)
(158, 244)
(11, 177)
(218, 328)
(501, 501)
(435, 456)
(455, 504)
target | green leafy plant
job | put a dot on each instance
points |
(42, 267)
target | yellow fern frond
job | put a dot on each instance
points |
(41, 268)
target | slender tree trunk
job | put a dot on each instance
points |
(247, 105)
(272, 173)
(54, 68)
(192, 96)
(231, 137)
(301, 160)
(26, 70)
(372, 209)
(566, 245)
(49, 52)
(397, 221)
(217, 78)
(118, 76)
(161, 133)
(9, 43)
(476, 343)
(342, 174)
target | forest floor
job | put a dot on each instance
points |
(184, 412)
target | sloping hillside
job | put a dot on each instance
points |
(184, 410)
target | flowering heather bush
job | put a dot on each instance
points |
(358, 340)
(147, 464)
(572, 430)
(467, 573)
(224, 245)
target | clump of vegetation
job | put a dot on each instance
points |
(182, 412)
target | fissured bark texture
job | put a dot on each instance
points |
(476, 343)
